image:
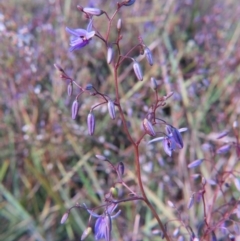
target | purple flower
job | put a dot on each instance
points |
(80, 38)
(172, 141)
(103, 225)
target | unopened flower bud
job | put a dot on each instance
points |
(100, 157)
(70, 89)
(137, 70)
(119, 24)
(224, 149)
(149, 56)
(64, 218)
(91, 123)
(120, 169)
(93, 11)
(195, 163)
(128, 2)
(89, 87)
(154, 84)
(111, 109)
(75, 108)
(86, 233)
(148, 127)
(109, 54)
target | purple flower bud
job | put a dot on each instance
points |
(154, 84)
(100, 157)
(86, 233)
(177, 137)
(109, 54)
(148, 127)
(91, 123)
(119, 24)
(75, 108)
(89, 87)
(64, 218)
(149, 57)
(70, 89)
(111, 109)
(137, 70)
(224, 149)
(223, 134)
(120, 169)
(191, 201)
(128, 2)
(195, 163)
(93, 11)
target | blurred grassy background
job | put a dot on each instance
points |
(47, 160)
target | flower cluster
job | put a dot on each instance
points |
(172, 139)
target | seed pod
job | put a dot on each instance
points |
(149, 57)
(93, 11)
(64, 218)
(91, 123)
(109, 54)
(111, 109)
(86, 233)
(114, 192)
(70, 89)
(119, 24)
(148, 127)
(75, 108)
(154, 84)
(137, 70)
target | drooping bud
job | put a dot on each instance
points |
(224, 149)
(86, 233)
(70, 89)
(89, 87)
(149, 56)
(137, 70)
(75, 108)
(93, 11)
(191, 201)
(195, 163)
(148, 127)
(100, 157)
(128, 2)
(109, 54)
(64, 218)
(119, 24)
(91, 123)
(111, 109)
(154, 84)
(120, 169)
